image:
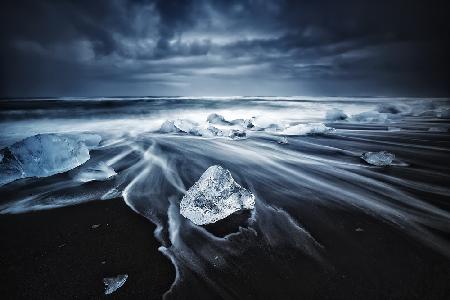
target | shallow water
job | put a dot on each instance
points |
(326, 224)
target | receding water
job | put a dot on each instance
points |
(324, 219)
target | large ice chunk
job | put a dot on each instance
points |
(112, 284)
(382, 158)
(214, 197)
(44, 155)
(307, 129)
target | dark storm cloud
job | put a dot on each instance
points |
(131, 47)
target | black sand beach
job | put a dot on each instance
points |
(56, 254)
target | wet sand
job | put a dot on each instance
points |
(57, 254)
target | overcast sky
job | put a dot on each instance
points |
(138, 47)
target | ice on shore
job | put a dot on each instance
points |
(99, 171)
(237, 134)
(370, 117)
(220, 120)
(336, 114)
(307, 129)
(217, 119)
(204, 129)
(44, 155)
(169, 127)
(112, 284)
(186, 126)
(382, 158)
(214, 197)
(244, 123)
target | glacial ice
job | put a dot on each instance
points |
(217, 119)
(169, 126)
(382, 158)
(336, 114)
(44, 155)
(237, 134)
(305, 129)
(214, 197)
(370, 117)
(204, 129)
(267, 123)
(244, 123)
(186, 126)
(112, 284)
(99, 171)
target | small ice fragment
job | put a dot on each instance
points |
(335, 114)
(382, 158)
(112, 284)
(98, 172)
(237, 134)
(394, 129)
(217, 119)
(95, 226)
(214, 197)
(283, 140)
(359, 229)
(306, 129)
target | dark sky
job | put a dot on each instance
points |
(138, 47)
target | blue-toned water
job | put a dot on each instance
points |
(325, 221)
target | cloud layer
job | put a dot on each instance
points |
(199, 47)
